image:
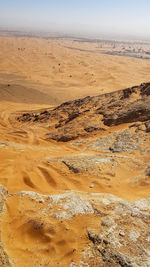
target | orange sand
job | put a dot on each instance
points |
(62, 73)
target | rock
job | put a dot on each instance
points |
(90, 129)
(125, 247)
(90, 163)
(147, 124)
(119, 236)
(122, 233)
(92, 185)
(134, 235)
(4, 259)
(139, 110)
(147, 172)
(80, 118)
(107, 221)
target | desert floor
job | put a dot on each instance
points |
(59, 73)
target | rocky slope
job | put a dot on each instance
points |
(78, 180)
(84, 116)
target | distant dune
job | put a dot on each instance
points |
(22, 94)
(62, 73)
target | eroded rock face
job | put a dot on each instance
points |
(126, 140)
(123, 239)
(119, 234)
(82, 117)
(139, 109)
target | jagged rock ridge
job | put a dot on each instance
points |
(81, 117)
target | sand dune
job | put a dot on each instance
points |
(64, 74)
(21, 94)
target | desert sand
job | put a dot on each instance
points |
(61, 73)
(70, 149)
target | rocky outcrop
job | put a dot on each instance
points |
(118, 236)
(80, 118)
(123, 238)
(139, 110)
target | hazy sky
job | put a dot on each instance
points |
(96, 16)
